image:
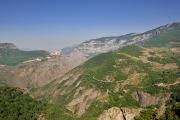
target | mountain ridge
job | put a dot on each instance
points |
(93, 47)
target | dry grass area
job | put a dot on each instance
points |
(145, 55)
(169, 66)
(134, 79)
(158, 52)
(176, 50)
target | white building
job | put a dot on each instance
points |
(55, 53)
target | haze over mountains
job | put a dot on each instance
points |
(133, 76)
(105, 44)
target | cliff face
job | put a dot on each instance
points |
(101, 45)
(93, 47)
(116, 113)
(8, 46)
(146, 99)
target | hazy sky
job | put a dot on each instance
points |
(53, 24)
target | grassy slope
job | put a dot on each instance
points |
(16, 56)
(97, 68)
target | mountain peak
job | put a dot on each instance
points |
(8, 46)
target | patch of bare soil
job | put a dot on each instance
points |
(146, 99)
(168, 85)
(133, 79)
(116, 113)
(165, 66)
(175, 50)
(159, 52)
(145, 55)
(126, 70)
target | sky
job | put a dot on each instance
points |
(54, 24)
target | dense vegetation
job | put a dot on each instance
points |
(104, 71)
(173, 105)
(56, 112)
(15, 105)
(132, 50)
(148, 114)
(16, 56)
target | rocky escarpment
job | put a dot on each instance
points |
(145, 99)
(7, 46)
(82, 101)
(116, 113)
(101, 45)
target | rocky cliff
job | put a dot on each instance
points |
(101, 45)
(116, 113)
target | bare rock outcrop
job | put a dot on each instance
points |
(82, 101)
(146, 99)
(130, 113)
(113, 113)
(116, 113)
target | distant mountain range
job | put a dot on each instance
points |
(11, 55)
(101, 45)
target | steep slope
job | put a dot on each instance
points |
(34, 74)
(134, 78)
(102, 45)
(11, 58)
(31, 69)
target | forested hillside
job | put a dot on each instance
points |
(17, 105)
